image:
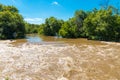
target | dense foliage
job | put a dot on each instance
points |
(11, 23)
(51, 26)
(70, 29)
(103, 24)
(31, 28)
(73, 27)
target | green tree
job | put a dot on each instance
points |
(11, 23)
(40, 30)
(101, 26)
(31, 28)
(69, 29)
(79, 17)
(52, 26)
(8, 8)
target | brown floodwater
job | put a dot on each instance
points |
(40, 39)
(52, 58)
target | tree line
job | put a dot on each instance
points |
(98, 24)
(102, 24)
(31, 28)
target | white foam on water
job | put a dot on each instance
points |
(49, 62)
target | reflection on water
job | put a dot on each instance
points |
(33, 38)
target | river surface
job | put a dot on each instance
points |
(39, 39)
(52, 58)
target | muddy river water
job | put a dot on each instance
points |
(52, 58)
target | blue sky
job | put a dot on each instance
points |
(36, 11)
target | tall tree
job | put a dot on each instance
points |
(79, 17)
(102, 26)
(70, 29)
(52, 26)
(11, 23)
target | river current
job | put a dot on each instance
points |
(50, 58)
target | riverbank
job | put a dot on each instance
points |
(49, 62)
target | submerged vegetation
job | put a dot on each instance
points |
(102, 24)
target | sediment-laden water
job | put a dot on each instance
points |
(65, 62)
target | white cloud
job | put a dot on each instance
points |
(34, 20)
(55, 3)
